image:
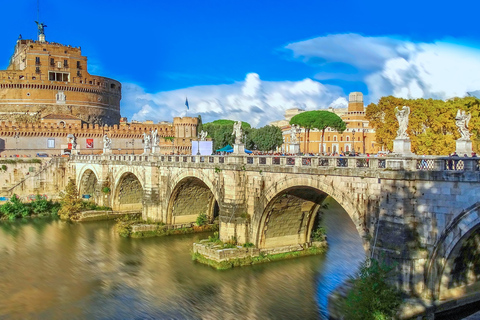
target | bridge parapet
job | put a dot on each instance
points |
(387, 163)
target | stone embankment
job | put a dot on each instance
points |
(96, 215)
(225, 256)
(142, 229)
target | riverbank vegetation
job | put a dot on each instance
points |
(40, 206)
(71, 204)
(371, 296)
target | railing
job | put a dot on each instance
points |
(447, 164)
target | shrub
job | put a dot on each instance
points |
(319, 234)
(371, 297)
(70, 202)
(202, 219)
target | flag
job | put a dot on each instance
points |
(186, 103)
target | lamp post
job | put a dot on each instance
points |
(353, 138)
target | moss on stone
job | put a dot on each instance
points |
(262, 258)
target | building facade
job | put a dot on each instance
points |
(54, 135)
(50, 78)
(358, 136)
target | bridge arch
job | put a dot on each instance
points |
(193, 193)
(304, 197)
(87, 182)
(128, 192)
(443, 267)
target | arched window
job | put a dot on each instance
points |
(341, 138)
(347, 138)
(334, 138)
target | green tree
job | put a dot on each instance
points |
(70, 202)
(221, 132)
(371, 297)
(267, 138)
(318, 119)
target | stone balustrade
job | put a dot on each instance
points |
(430, 163)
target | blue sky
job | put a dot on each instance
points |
(252, 60)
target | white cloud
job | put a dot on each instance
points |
(386, 65)
(252, 100)
(391, 66)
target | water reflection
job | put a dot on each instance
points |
(57, 270)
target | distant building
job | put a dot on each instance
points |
(358, 135)
(50, 78)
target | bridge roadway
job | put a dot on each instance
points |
(420, 213)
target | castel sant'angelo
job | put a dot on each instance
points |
(47, 97)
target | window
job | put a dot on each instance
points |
(59, 76)
(79, 74)
(37, 60)
(112, 86)
(37, 70)
(65, 63)
(78, 65)
(50, 143)
(52, 62)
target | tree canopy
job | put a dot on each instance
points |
(267, 138)
(431, 126)
(318, 119)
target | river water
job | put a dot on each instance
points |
(51, 269)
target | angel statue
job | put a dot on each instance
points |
(461, 120)
(107, 142)
(203, 135)
(237, 131)
(154, 137)
(293, 133)
(146, 140)
(402, 118)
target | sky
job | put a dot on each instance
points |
(251, 60)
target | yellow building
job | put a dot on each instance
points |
(358, 136)
(50, 78)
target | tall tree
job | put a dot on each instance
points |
(267, 138)
(318, 119)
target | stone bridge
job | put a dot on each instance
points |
(420, 213)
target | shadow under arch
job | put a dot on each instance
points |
(309, 193)
(128, 193)
(191, 197)
(446, 249)
(88, 185)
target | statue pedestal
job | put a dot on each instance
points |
(238, 149)
(156, 149)
(107, 151)
(402, 147)
(464, 147)
(294, 148)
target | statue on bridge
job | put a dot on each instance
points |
(154, 137)
(146, 141)
(203, 135)
(293, 133)
(461, 120)
(107, 143)
(237, 131)
(402, 118)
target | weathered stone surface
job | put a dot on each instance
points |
(414, 218)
